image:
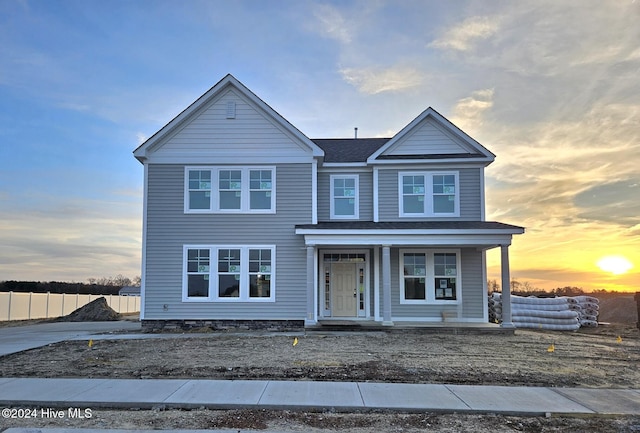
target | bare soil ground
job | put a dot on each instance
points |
(589, 358)
(603, 357)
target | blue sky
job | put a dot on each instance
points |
(551, 87)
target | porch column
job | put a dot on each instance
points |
(506, 287)
(386, 285)
(310, 319)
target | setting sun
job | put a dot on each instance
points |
(615, 264)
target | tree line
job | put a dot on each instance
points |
(527, 289)
(95, 286)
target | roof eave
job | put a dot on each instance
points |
(484, 161)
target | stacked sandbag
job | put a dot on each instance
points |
(495, 307)
(588, 309)
(544, 313)
(539, 313)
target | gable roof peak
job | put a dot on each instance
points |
(228, 80)
(460, 144)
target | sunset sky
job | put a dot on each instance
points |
(551, 87)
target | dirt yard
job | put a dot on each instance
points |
(589, 358)
(607, 356)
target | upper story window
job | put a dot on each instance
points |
(232, 190)
(344, 197)
(431, 194)
(429, 276)
(241, 273)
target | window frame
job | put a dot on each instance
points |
(332, 196)
(429, 194)
(430, 289)
(244, 290)
(245, 190)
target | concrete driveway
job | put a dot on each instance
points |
(15, 339)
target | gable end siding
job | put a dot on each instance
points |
(428, 139)
(169, 229)
(250, 136)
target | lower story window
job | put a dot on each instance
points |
(445, 267)
(428, 276)
(198, 273)
(239, 273)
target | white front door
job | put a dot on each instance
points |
(343, 290)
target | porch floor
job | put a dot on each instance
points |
(446, 327)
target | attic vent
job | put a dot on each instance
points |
(231, 110)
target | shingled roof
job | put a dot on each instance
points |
(349, 149)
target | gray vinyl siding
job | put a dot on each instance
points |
(169, 229)
(470, 195)
(472, 284)
(429, 138)
(365, 182)
(249, 136)
(471, 296)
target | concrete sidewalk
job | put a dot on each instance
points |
(314, 396)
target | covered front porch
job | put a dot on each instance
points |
(366, 275)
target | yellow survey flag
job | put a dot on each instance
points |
(551, 348)
(295, 341)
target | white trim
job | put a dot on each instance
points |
(213, 296)
(376, 284)
(485, 292)
(423, 165)
(453, 162)
(143, 264)
(356, 205)
(347, 238)
(376, 215)
(316, 288)
(429, 277)
(348, 165)
(400, 232)
(466, 241)
(314, 192)
(429, 194)
(200, 158)
(482, 195)
(214, 198)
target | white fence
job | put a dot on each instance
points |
(25, 306)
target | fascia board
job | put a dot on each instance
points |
(206, 160)
(344, 164)
(440, 240)
(409, 232)
(458, 162)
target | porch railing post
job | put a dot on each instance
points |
(506, 287)
(310, 318)
(386, 285)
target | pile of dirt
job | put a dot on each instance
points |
(95, 311)
(618, 309)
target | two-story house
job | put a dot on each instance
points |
(247, 220)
